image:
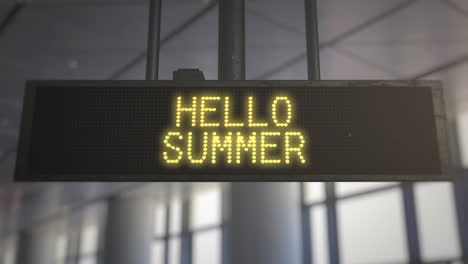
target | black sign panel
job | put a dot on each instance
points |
(232, 131)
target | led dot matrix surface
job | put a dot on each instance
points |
(221, 130)
(218, 136)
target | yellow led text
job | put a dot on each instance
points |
(235, 148)
(207, 131)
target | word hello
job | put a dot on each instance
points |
(211, 136)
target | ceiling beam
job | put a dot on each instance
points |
(442, 67)
(10, 17)
(85, 3)
(365, 61)
(181, 28)
(339, 38)
(455, 7)
(273, 21)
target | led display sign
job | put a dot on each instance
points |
(211, 129)
(232, 131)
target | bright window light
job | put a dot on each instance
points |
(175, 225)
(437, 222)
(174, 250)
(207, 247)
(160, 220)
(319, 234)
(372, 228)
(314, 192)
(463, 137)
(9, 251)
(89, 240)
(206, 208)
(157, 252)
(61, 248)
(88, 260)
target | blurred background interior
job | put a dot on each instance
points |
(268, 223)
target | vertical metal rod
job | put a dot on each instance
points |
(313, 74)
(460, 184)
(187, 235)
(332, 223)
(312, 42)
(231, 34)
(231, 66)
(167, 229)
(76, 255)
(307, 243)
(411, 222)
(225, 217)
(154, 29)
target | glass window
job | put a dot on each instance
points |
(205, 223)
(207, 247)
(437, 224)
(89, 240)
(173, 241)
(175, 226)
(174, 250)
(372, 228)
(347, 188)
(61, 249)
(87, 260)
(206, 208)
(319, 234)
(462, 127)
(9, 251)
(88, 247)
(314, 192)
(160, 220)
(157, 252)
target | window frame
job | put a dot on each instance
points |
(187, 233)
(330, 200)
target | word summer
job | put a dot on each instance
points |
(205, 132)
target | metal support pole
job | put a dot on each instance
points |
(187, 235)
(313, 74)
(264, 214)
(307, 246)
(154, 29)
(225, 216)
(167, 229)
(312, 42)
(332, 223)
(411, 222)
(129, 227)
(264, 223)
(231, 46)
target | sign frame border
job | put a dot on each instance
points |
(440, 115)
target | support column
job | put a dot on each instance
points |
(24, 248)
(35, 246)
(129, 230)
(231, 34)
(313, 74)
(312, 40)
(264, 223)
(263, 220)
(154, 30)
